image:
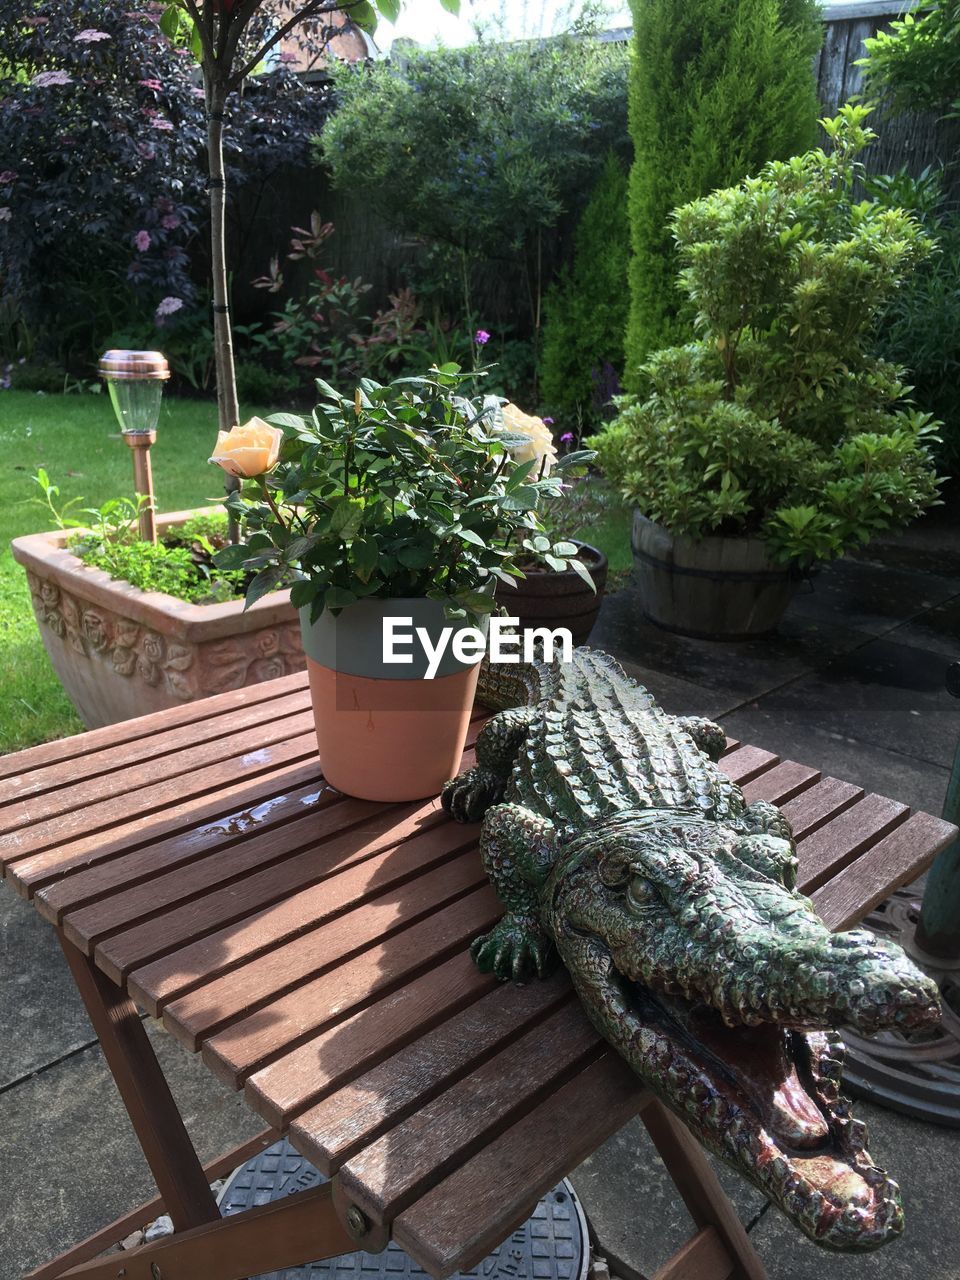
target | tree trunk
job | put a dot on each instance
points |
(227, 407)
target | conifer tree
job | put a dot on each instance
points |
(717, 88)
(586, 309)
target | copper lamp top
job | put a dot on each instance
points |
(127, 366)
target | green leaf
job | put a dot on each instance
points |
(364, 554)
(582, 571)
(292, 420)
(196, 44)
(467, 535)
(265, 581)
(363, 14)
(338, 598)
(170, 21)
(232, 557)
(347, 518)
(451, 6)
(301, 593)
(390, 9)
(564, 548)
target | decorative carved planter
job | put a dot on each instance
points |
(121, 652)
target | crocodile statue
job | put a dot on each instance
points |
(613, 839)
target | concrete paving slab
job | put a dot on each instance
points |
(915, 782)
(871, 597)
(888, 695)
(938, 629)
(926, 1162)
(679, 697)
(41, 1015)
(740, 671)
(70, 1160)
(633, 1208)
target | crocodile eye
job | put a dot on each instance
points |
(641, 892)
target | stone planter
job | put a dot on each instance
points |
(548, 599)
(710, 588)
(121, 652)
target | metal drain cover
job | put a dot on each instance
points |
(551, 1244)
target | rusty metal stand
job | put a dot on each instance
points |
(920, 1075)
(139, 443)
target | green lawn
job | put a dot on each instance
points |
(75, 439)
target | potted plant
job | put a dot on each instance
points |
(548, 595)
(399, 513)
(776, 440)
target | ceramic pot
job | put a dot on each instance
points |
(710, 588)
(549, 599)
(386, 731)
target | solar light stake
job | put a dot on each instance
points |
(135, 381)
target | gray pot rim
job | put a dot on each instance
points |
(352, 643)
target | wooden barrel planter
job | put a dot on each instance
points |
(710, 588)
(547, 599)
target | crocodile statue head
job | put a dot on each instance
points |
(612, 836)
(722, 977)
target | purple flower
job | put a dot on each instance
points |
(567, 436)
(142, 241)
(155, 85)
(8, 176)
(547, 422)
(170, 222)
(90, 36)
(168, 306)
(44, 79)
(481, 337)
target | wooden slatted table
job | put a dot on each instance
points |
(313, 949)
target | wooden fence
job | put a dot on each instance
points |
(912, 141)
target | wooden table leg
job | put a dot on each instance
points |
(146, 1095)
(284, 1233)
(700, 1188)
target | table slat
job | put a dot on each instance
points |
(746, 763)
(391, 1172)
(893, 861)
(821, 802)
(141, 728)
(225, 903)
(421, 1062)
(323, 1066)
(838, 842)
(781, 783)
(213, 1006)
(456, 1224)
(238, 1051)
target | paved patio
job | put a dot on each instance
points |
(854, 683)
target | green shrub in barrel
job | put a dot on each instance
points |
(778, 424)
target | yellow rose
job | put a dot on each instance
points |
(249, 450)
(538, 438)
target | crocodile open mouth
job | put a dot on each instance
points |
(766, 1098)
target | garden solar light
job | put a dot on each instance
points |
(135, 380)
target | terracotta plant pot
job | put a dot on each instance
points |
(547, 599)
(384, 731)
(709, 588)
(120, 652)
